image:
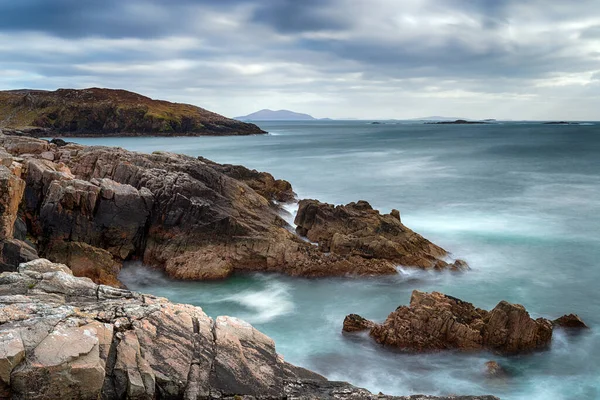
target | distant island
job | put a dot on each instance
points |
(459, 122)
(108, 112)
(279, 115)
(438, 118)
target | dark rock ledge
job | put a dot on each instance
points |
(69, 338)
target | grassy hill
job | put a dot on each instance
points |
(109, 112)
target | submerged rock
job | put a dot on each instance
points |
(494, 370)
(67, 337)
(96, 207)
(434, 321)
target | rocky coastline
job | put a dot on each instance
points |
(94, 208)
(69, 338)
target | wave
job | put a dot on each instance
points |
(263, 305)
(288, 213)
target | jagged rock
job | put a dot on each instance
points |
(358, 229)
(571, 321)
(102, 213)
(262, 182)
(66, 337)
(434, 321)
(356, 323)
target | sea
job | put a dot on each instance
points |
(519, 201)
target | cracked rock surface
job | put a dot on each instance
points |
(69, 338)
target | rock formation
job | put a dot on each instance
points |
(571, 321)
(434, 321)
(13, 248)
(95, 207)
(66, 337)
(356, 229)
(261, 182)
(107, 112)
(356, 323)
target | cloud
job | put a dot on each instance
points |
(332, 58)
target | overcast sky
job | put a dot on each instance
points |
(518, 59)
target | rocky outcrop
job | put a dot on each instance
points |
(356, 229)
(66, 337)
(263, 183)
(571, 321)
(196, 219)
(356, 323)
(434, 321)
(107, 112)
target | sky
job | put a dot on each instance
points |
(366, 59)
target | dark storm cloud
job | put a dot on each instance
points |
(289, 16)
(105, 18)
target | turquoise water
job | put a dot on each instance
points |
(519, 202)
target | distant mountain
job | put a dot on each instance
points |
(438, 118)
(279, 115)
(109, 112)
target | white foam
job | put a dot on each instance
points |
(288, 213)
(266, 304)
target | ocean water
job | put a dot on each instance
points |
(519, 201)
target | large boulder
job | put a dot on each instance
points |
(357, 229)
(434, 321)
(66, 337)
(102, 213)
